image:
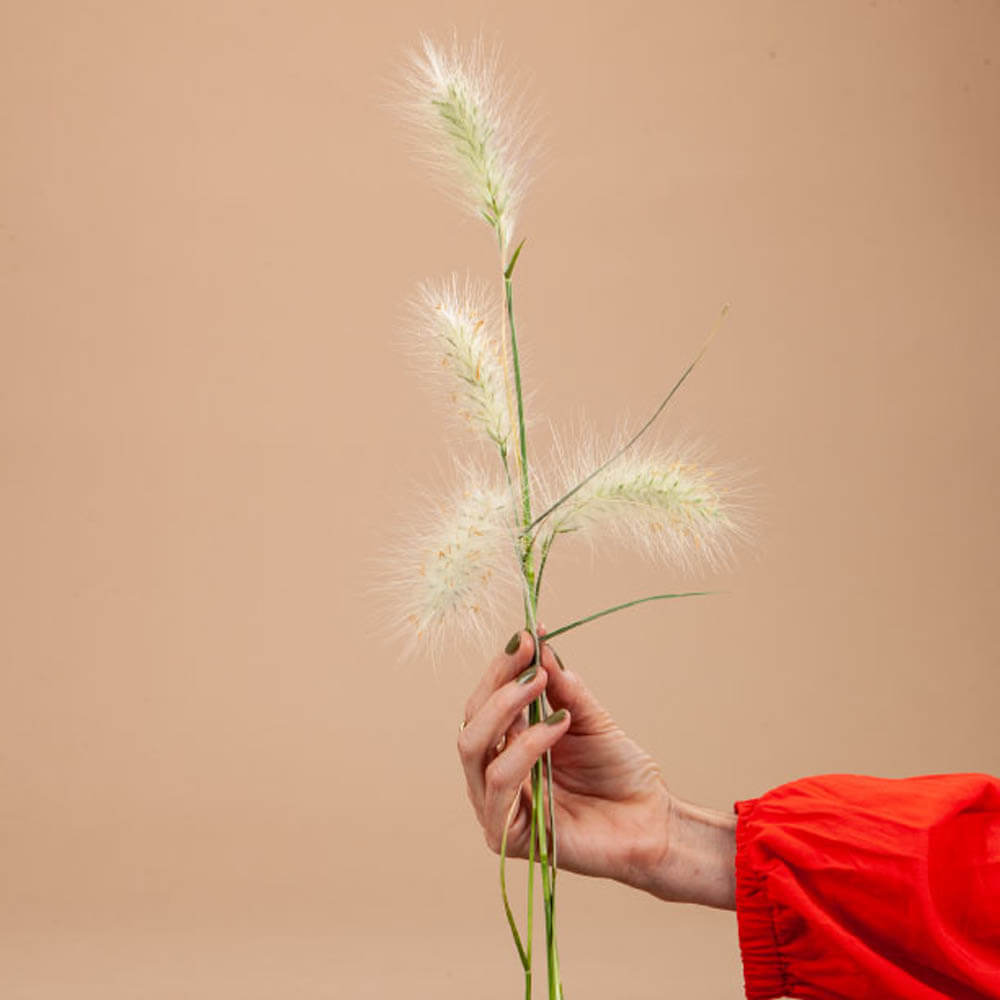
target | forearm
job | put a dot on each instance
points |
(697, 859)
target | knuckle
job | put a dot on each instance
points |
(493, 839)
(494, 778)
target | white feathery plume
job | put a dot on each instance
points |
(457, 326)
(474, 129)
(458, 568)
(665, 501)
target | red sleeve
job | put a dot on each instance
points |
(853, 888)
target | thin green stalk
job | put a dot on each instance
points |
(531, 907)
(536, 710)
(555, 981)
(522, 954)
(538, 808)
(622, 607)
(516, 362)
(524, 553)
(553, 867)
(538, 834)
(552, 821)
(553, 862)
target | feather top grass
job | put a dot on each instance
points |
(455, 330)
(452, 566)
(665, 502)
(457, 572)
(473, 129)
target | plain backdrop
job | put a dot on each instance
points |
(215, 780)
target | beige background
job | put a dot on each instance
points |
(213, 781)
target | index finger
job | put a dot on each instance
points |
(517, 654)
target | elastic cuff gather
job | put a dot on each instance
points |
(764, 974)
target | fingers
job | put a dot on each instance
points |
(516, 656)
(566, 690)
(505, 777)
(517, 727)
(498, 783)
(496, 717)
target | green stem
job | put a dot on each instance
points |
(522, 438)
(555, 982)
(553, 863)
(552, 821)
(536, 710)
(522, 954)
(531, 904)
(622, 607)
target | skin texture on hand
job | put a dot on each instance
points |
(614, 815)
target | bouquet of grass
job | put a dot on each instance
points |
(498, 530)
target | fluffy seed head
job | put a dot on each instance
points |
(457, 569)
(457, 330)
(473, 128)
(665, 501)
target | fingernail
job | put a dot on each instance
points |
(562, 666)
(556, 717)
(527, 676)
(513, 644)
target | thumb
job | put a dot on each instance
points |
(565, 689)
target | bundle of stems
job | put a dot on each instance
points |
(475, 134)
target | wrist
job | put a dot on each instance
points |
(695, 861)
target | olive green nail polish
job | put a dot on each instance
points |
(527, 676)
(512, 644)
(556, 717)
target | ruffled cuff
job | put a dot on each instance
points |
(764, 973)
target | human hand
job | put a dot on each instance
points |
(614, 815)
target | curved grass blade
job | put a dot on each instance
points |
(522, 954)
(621, 607)
(635, 437)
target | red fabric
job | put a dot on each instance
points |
(853, 887)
